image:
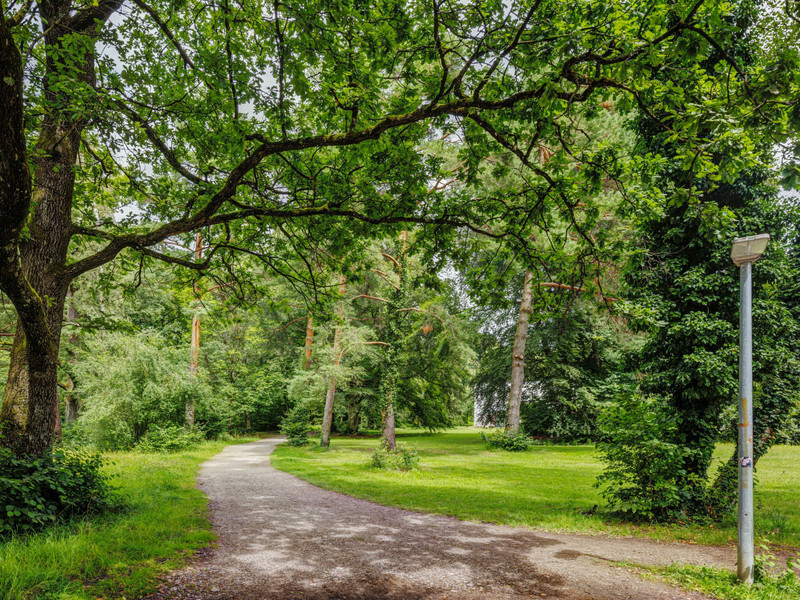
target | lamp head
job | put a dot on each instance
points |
(748, 249)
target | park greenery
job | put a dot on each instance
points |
(119, 554)
(338, 218)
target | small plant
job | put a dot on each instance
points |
(401, 458)
(171, 438)
(505, 440)
(295, 427)
(722, 584)
(38, 491)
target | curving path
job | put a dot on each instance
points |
(283, 539)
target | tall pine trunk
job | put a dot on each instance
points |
(518, 355)
(327, 415)
(194, 349)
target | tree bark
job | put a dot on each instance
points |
(389, 440)
(194, 350)
(32, 269)
(327, 415)
(518, 356)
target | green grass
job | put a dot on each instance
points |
(117, 556)
(723, 584)
(548, 487)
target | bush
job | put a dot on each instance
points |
(295, 427)
(38, 491)
(504, 440)
(170, 438)
(644, 456)
(399, 459)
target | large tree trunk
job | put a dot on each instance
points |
(33, 278)
(327, 415)
(518, 356)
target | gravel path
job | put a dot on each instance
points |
(282, 538)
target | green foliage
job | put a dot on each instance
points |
(506, 440)
(402, 458)
(295, 427)
(684, 292)
(36, 492)
(132, 383)
(724, 585)
(169, 438)
(765, 569)
(644, 456)
(573, 365)
(121, 555)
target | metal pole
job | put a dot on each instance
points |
(745, 549)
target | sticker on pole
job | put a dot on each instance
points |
(745, 461)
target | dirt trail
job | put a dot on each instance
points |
(283, 539)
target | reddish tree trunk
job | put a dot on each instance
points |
(194, 349)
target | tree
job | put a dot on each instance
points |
(317, 112)
(518, 355)
(327, 414)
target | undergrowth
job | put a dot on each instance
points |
(117, 555)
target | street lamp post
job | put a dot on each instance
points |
(744, 252)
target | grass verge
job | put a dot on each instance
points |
(723, 585)
(548, 487)
(121, 555)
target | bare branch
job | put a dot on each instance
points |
(391, 258)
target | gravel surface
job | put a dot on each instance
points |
(282, 538)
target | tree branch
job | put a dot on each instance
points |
(163, 26)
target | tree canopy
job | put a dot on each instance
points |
(271, 126)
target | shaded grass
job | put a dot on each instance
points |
(547, 487)
(119, 555)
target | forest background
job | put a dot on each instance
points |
(348, 217)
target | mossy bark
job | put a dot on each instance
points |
(33, 247)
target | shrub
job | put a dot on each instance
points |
(401, 458)
(37, 491)
(295, 427)
(505, 440)
(643, 454)
(170, 438)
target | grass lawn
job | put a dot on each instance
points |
(117, 556)
(548, 487)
